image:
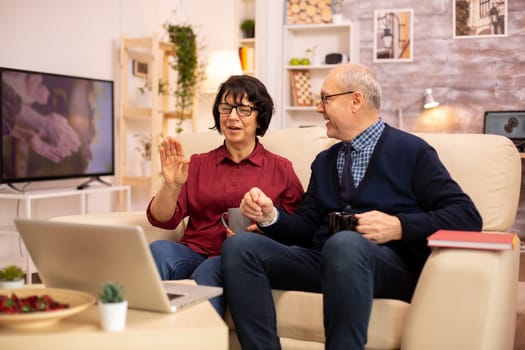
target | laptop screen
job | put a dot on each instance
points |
(505, 123)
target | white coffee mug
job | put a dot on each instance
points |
(236, 221)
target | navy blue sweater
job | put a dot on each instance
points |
(404, 178)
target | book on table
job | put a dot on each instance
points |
(472, 240)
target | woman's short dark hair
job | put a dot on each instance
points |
(239, 86)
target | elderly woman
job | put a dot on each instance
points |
(210, 183)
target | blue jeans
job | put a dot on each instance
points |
(176, 261)
(350, 271)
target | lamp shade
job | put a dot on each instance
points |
(430, 102)
(221, 65)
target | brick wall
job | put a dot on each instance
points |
(468, 76)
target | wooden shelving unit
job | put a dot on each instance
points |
(246, 10)
(156, 54)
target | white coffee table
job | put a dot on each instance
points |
(196, 327)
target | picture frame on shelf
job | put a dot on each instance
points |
(478, 19)
(301, 88)
(393, 35)
(140, 69)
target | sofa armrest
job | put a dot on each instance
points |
(464, 299)
(135, 218)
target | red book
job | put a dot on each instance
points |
(472, 239)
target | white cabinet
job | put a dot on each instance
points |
(313, 41)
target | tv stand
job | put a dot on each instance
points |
(28, 198)
(85, 185)
(14, 188)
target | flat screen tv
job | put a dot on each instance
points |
(55, 127)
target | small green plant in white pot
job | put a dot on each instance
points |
(11, 277)
(113, 306)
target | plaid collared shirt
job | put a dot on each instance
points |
(362, 148)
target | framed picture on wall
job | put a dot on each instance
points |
(301, 88)
(393, 35)
(479, 18)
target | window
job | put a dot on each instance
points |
(484, 8)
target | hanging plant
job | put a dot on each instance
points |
(186, 63)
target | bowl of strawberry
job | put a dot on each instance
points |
(29, 308)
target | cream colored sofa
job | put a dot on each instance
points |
(465, 299)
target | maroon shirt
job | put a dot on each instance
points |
(216, 183)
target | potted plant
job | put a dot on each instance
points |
(11, 277)
(248, 28)
(186, 64)
(337, 7)
(113, 306)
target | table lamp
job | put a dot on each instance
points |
(221, 65)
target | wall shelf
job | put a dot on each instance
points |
(156, 54)
(303, 41)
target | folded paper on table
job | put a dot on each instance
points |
(472, 240)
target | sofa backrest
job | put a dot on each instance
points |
(487, 167)
(299, 145)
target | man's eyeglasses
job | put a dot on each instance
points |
(324, 99)
(242, 110)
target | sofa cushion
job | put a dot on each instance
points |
(384, 330)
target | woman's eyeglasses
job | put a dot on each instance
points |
(242, 110)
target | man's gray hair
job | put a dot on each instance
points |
(358, 77)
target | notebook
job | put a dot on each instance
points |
(84, 256)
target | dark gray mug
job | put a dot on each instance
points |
(340, 221)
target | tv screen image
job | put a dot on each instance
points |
(55, 126)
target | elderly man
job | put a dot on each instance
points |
(400, 193)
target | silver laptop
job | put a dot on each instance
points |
(84, 256)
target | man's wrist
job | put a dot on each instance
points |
(271, 221)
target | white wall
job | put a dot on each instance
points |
(82, 38)
(58, 36)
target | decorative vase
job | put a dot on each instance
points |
(12, 284)
(113, 315)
